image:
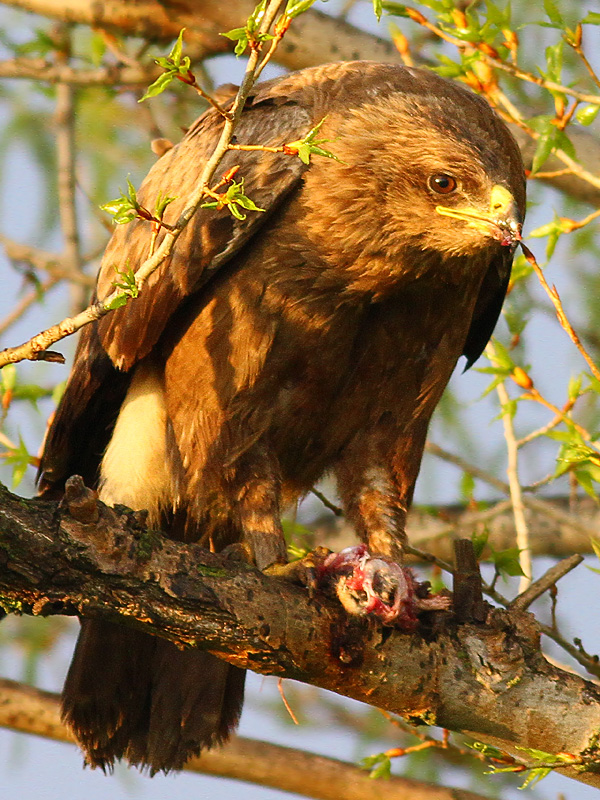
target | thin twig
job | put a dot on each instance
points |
(547, 509)
(26, 302)
(590, 663)
(461, 463)
(470, 519)
(557, 173)
(533, 394)
(54, 265)
(495, 61)
(288, 708)
(115, 75)
(339, 512)
(64, 117)
(560, 312)
(516, 495)
(560, 417)
(548, 579)
(576, 45)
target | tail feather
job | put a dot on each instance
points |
(128, 694)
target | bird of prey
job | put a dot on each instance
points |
(314, 337)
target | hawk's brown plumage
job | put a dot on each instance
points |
(317, 336)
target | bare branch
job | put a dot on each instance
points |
(537, 588)
(29, 710)
(25, 303)
(53, 264)
(64, 119)
(516, 493)
(39, 69)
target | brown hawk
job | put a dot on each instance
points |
(314, 337)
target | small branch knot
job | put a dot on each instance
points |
(81, 502)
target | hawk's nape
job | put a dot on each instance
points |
(316, 336)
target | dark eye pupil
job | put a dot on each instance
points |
(443, 184)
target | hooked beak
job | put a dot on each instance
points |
(502, 222)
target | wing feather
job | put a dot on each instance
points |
(212, 237)
(109, 349)
(488, 306)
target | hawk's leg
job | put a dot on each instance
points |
(258, 493)
(376, 476)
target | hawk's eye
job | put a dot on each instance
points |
(442, 184)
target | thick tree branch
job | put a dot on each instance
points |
(313, 39)
(489, 681)
(29, 710)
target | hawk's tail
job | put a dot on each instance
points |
(134, 696)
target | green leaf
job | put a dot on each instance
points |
(118, 302)
(507, 562)
(58, 392)
(535, 776)
(296, 7)
(585, 479)
(487, 750)
(585, 115)
(378, 8)
(394, 9)
(553, 230)
(574, 389)
(159, 85)
(467, 485)
(20, 459)
(31, 392)
(175, 66)
(310, 145)
(161, 204)
(175, 54)
(234, 199)
(479, 539)
(97, 49)
(565, 144)
(521, 269)
(127, 283)
(8, 374)
(42, 45)
(254, 20)
(516, 320)
(554, 61)
(545, 145)
(501, 357)
(593, 18)
(553, 13)
(246, 202)
(125, 208)
(237, 35)
(379, 766)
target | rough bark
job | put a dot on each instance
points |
(487, 680)
(314, 38)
